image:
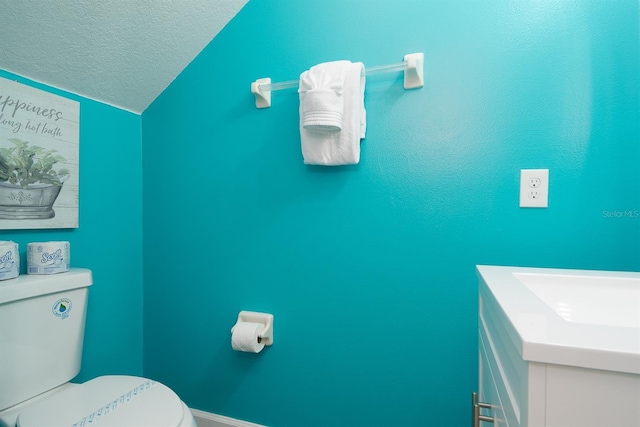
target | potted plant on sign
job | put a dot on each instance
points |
(29, 184)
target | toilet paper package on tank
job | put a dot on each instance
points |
(47, 257)
(9, 260)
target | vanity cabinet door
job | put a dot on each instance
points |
(579, 397)
(488, 392)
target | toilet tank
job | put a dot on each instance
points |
(41, 332)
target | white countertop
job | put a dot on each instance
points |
(541, 335)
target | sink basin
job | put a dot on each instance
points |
(581, 318)
(596, 300)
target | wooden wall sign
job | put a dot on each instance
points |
(39, 156)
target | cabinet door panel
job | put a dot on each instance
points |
(488, 391)
(578, 397)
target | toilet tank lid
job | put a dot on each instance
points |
(31, 285)
(107, 401)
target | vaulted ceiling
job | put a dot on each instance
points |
(120, 52)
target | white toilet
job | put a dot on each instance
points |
(41, 335)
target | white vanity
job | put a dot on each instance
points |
(558, 348)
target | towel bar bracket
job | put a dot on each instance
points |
(263, 97)
(414, 74)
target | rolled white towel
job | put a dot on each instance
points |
(333, 148)
(321, 96)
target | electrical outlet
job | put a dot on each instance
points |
(535, 182)
(534, 188)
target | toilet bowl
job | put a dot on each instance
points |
(41, 313)
(114, 400)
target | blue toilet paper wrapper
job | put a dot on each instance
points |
(9, 260)
(48, 257)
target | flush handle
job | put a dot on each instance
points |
(476, 417)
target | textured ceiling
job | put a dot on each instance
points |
(121, 52)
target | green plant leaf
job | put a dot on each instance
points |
(25, 164)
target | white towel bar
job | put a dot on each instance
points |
(413, 67)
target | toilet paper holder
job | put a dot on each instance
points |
(265, 318)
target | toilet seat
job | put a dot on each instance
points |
(113, 400)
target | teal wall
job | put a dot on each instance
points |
(109, 239)
(369, 269)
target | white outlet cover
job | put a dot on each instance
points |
(534, 188)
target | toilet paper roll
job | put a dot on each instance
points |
(47, 257)
(9, 260)
(245, 337)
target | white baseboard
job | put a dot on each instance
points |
(207, 419)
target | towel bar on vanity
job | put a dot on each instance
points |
(413, 67)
